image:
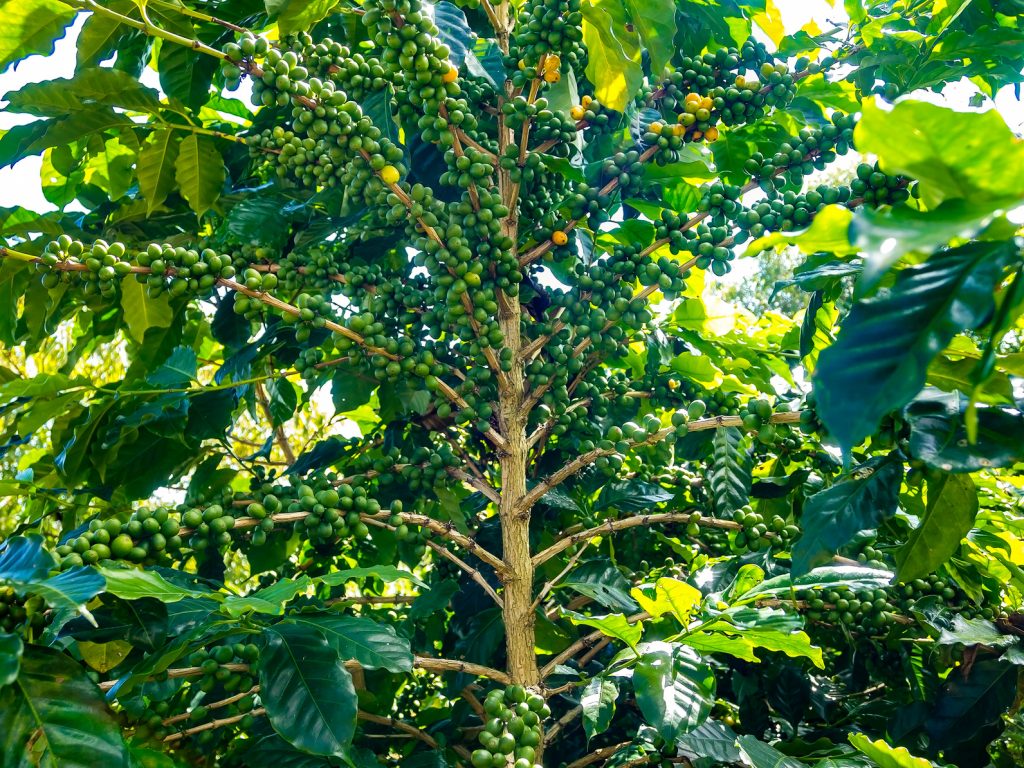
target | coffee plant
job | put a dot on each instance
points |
(367, 399)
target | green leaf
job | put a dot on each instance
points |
(69, 590)
(975, 632)
(350, 389)
(156, 167)
(603, 582)
(731, 467)
(300, 15)
(101, 35)
(613, 64)
(855, 577)
(269, 600)
(31, 27)
(881, 356)
(199, 170)
(711, 739)
(103, 657)
(614, 625)
(23, 559)
(670, 596)
(858, 501)
(716, 642)
(598, 703)
(307, 692)
(655, 21)
(938, 437)
(949, 516)
(132, 583)
(60, 712)
(11, 649)
(967, 704)
(383, 572)
(757, 754)
(674, 689)
(183, 74)
(141, 312)
(372, 644)
(88, 88)
(970, 155)
(887, 234)
(283, 399)
(886, 756)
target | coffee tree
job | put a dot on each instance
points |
(384, 412)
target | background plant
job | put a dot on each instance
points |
(383, 417)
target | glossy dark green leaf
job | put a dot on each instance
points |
(968, 702)
(938, 437)
(133, 583)
(282, 400)
(598, 702)
(952, 507)
(757, 754)
(373, 644)
(860, 500)
(350, 389)
(882, 352)
(674, 689)
(629, 496)
(711, 739)
(306, 690)
(603, 582)
(53, 706)
(655, 22)
(730, 472)
(22, 558)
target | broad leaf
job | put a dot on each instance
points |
(156, 167)
(859, 501)
(199, 170)
(598, 703)
(885, 755)
(30, 27)
(949, 516)
(674, 689)
(971, 155)
(141, 311)
(670, 596)
(372, 644)
(757, 754)
(880, 358)
(730, 475)
(11, 649)
(132, 583)
(603, 582)
(965, 705)
(55, 708)
(613, 625)
(613, 45)
(307, 691)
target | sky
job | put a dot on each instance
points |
(20, 185)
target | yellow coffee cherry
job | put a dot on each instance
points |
(740, 81)
(693, 97)
(559, 237)
(656, 127)
(585, 101)
(711, 134)
(552, 76)
(450, 75)
(577, 112)
(389, 174)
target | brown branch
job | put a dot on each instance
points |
(213, 724)
(279, 436)
(563, 721)
(401, 726)
(455, 665)
(215, 705)
(599, 754)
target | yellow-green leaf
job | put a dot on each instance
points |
(886, 756)
(103, 657)
(614, 52)
(670, 596)
(142, 312)
(29, 27)
(200, 172)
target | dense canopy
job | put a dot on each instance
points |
(512, 384)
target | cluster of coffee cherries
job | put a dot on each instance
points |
(24, 615)
(149, 535)
(758, 532)
(512, 732)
